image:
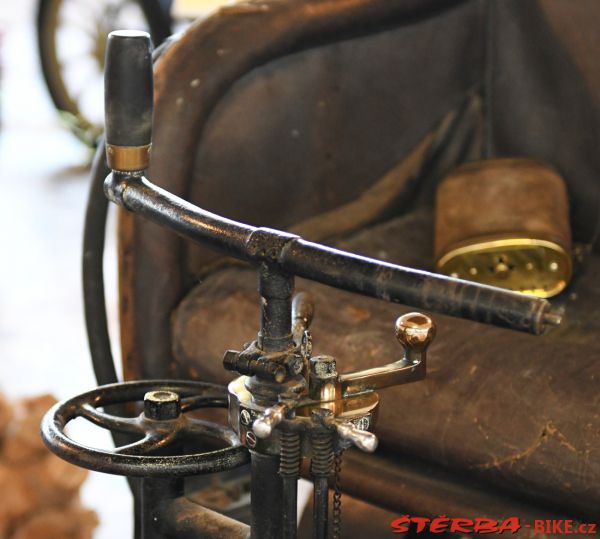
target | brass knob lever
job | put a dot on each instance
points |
(414, 331)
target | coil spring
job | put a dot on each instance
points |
(337, 497)
(322, 460)
(289, 462)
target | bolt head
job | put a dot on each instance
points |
(323, 367)
(162, 405)
(295, 364)
(230, 359)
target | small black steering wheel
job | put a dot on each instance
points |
(162, 423)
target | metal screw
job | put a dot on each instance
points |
(251, 440)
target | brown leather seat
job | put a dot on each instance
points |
(281, 113)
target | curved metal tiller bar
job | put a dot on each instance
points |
(340, 269)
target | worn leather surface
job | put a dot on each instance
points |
(269, 112)
(519, 411)
(520, 196)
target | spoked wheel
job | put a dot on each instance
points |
(72, 40)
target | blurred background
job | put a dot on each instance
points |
(44, 176)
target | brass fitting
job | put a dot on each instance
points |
(128, 158)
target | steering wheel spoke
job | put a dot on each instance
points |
(149, 444)
(125, 425)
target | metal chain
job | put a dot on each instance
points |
(337, 497)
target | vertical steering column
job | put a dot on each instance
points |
(273, 495)
(275, 290)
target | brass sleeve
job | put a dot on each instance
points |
(128, 158)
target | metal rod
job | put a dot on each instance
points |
(417, 288)
(320, 507)
(184, 519)
(155, 493)
(93, 279)
(290, 507)
(321, 467)
(295, 256)
(140, 196)
(95, 306)
(266, 497)
(276, 309)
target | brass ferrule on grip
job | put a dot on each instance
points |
(128, 158)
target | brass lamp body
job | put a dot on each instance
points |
(505, 222)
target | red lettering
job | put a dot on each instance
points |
(485, 525)
(511, 525)
(461, 525)
(557, 526)
(421, 522)
(398, 525)
(439, 524)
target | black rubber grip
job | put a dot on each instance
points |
(128, 89)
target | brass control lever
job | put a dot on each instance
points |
(414, 331)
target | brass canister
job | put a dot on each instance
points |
(505, 222)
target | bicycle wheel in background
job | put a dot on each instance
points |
(72, 40)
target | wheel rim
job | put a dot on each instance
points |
(72, 44)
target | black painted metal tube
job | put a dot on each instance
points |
(141, 196)
(155, 493)
(184, 519)
(275, 290)
(420, 289)
(93, 277)
(320, 507)
(290, 507)
(340, 269)
(93, 297)
(266, 497)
